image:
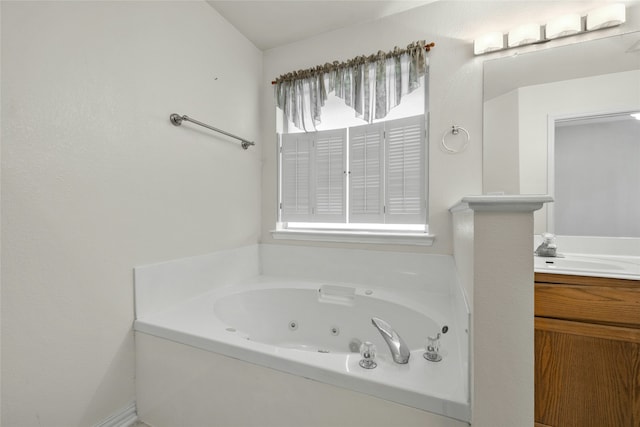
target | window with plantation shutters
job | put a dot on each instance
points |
(383, 185)
(313, 176)
(352, 150)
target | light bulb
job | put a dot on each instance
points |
(564, 25)
(488, 43)
(606, 16)
(524, 34)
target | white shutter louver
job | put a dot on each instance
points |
(366, 173)
(405, 180)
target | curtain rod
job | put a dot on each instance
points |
(336, 64)
(177, 119)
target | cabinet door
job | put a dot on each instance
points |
(586, 374)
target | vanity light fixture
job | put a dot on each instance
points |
(488, 43)
(562, 26)
(524, 34)
(565, 25)
(606, 16)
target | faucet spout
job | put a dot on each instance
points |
(399, 349)
(548, 247)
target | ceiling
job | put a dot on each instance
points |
(268, 24)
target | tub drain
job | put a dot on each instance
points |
(293, 325)
(335, 331)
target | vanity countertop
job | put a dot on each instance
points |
(619, 267)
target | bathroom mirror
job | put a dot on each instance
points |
(530, 97)
(594, 171)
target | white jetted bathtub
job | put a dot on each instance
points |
(313, 329)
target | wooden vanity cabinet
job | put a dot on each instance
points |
(587, 351)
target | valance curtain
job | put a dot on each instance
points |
(371, 85)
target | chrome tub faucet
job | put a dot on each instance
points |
(399, 349)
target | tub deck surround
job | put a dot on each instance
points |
(249, 319)
(401, 271)
(180, 385)
(436, 387)
(165, 284)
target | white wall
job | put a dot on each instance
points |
(95, 180)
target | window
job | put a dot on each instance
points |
(339, 177)
(369, 177)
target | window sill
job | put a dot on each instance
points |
(377, 237)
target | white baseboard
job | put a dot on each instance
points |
(125, 417)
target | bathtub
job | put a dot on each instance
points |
(312, 329)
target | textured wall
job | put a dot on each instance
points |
(95, 180)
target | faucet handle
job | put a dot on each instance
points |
(368, 353)
(432, 349)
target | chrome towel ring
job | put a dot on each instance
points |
(455, 130)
